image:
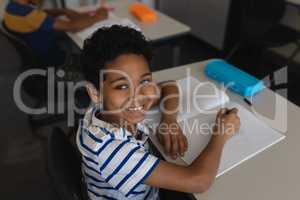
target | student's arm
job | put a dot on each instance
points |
(169, 132)
(199, 176)
(74, 25)
(71, 14)
(54, 12)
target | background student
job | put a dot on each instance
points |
(39, 28)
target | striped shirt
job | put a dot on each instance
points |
(114, 163)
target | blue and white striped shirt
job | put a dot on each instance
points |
(114, 163)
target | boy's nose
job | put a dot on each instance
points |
(138, 98)
(136, 92)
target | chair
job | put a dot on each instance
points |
(64, 166)
(261, 28)
(28, 56)
(10, 60)
(35, 86)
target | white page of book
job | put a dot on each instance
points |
(197, 97)
(254, 135)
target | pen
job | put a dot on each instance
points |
(247, 101)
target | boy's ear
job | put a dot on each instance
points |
(93, 93)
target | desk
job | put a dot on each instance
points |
(271, 175)
(165, 27)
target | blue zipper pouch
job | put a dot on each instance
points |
(235, 79)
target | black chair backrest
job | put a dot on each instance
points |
(11, 60)
(259, 16)
(64, 166)
(29, 58)
(35, 85)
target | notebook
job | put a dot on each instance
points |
(196, 120)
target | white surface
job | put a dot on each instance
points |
(272, 174)
(199, 105)
(112, 20)
(163, 28)
(253, 137)
(196, 96)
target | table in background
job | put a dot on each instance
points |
(164, 28)
(272, 174)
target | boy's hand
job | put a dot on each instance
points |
(227, 123)
(101, 13)
(171, 137)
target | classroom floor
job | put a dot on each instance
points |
(23, 156)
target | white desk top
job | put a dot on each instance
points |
(163, 28)
(271, 175)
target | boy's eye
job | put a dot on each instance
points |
(145, 82)
(122, 87)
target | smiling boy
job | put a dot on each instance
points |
(116, 157)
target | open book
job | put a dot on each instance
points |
(199, 103)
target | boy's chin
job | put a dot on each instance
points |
(135, 119)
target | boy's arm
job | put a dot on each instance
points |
(54, 12)
(169, 132)
(71, 14)
(199, 176)
(196, 178)
(81, 22)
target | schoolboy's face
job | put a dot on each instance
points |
(128, 90)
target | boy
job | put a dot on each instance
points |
(116, 159)
(38, 28)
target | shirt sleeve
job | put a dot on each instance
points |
(47, 24)
(126, 165)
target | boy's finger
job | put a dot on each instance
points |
(221, 112)
(174, 146)
(181, 145)
(185, 141)
(167, 142)
(233, 110)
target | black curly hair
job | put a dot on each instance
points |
(108, 43)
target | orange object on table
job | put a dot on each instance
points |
(142, 12)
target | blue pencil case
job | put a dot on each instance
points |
(235, 79)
